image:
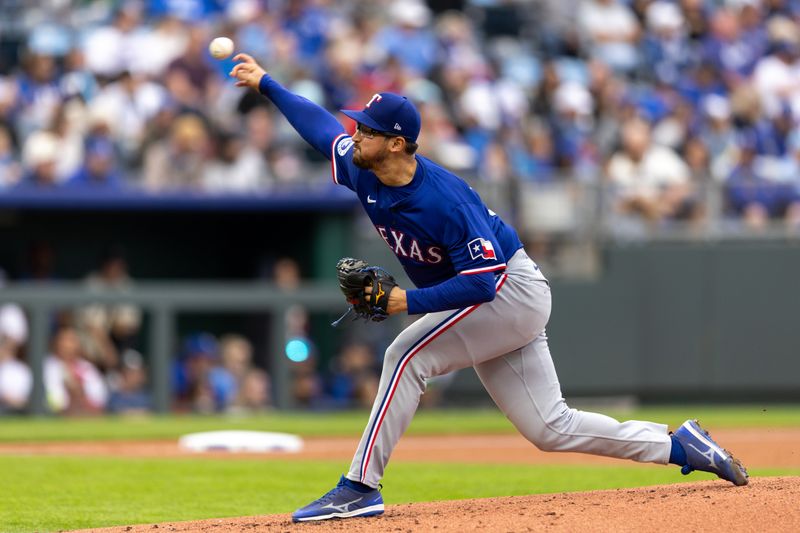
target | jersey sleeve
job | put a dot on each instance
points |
(455, 293)
(343, 170)
(314, 124)
(471, 243)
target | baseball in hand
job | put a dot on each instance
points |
(221, 47)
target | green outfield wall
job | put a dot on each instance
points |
(671, 320)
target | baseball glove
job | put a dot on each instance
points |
(354, 276)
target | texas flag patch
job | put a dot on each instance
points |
(481, 248)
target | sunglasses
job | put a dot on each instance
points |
(370, 133)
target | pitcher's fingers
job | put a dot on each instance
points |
(241, 67)
(245, 58)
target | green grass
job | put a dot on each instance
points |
(52, 493)
(352, 423)
(40, 493)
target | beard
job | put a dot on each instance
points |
(372, 163)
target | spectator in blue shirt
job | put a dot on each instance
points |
(38, 94)
(751, 196)
(99, 170)
(129, 394)
(728, 50)
(700, 81)
(409, 38)
(533, 156)
(199, 381)
(186, 10)
(354, 377)
(665, 48)
(308, 23)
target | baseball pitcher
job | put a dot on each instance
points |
(485, 304)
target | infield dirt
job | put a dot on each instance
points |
(766, 505)
(761, 448)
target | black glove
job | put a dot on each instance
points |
(354, 276)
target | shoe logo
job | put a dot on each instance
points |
(343, 508)
(709, 454)
(370, 200)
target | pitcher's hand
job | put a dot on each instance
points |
(247, 72)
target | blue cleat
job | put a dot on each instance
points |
(702, 453)
(341, 502)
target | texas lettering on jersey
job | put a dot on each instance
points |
(404, 245)
(430, 251)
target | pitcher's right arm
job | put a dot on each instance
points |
(316, 125)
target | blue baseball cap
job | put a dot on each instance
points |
(389, 113)
(200, 344)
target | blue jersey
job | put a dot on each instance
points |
(437, 225)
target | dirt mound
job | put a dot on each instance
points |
(766, 505)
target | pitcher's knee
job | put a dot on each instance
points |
(417, 367)
(394, 353)
(546, 440)
(551, 435)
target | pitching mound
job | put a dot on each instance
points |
(767, 504)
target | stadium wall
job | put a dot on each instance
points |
(661, 320)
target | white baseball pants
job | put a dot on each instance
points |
(505, 341)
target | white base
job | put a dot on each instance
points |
(241, 441)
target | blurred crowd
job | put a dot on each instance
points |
(677, 108)
(660, 100)
(92, 364)
(208, 374)
(95, 362)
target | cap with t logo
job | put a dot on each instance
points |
(389, 113)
